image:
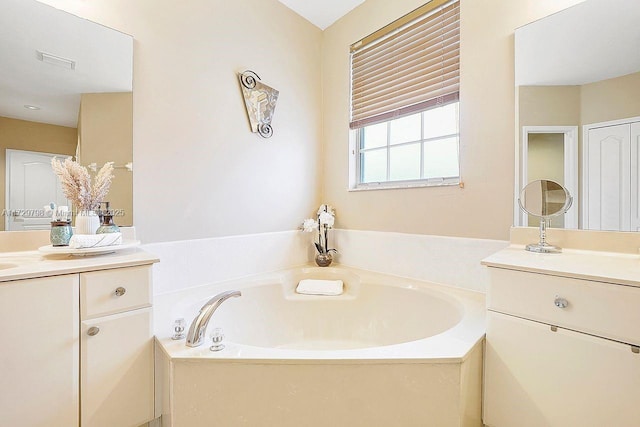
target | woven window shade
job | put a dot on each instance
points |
(412, 68)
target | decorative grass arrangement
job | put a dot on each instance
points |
(77, 186)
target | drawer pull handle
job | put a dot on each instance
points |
(561, 302)
(120, 291)
(93, 331)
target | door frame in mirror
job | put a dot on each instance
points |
(570, 148)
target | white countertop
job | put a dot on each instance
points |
(609, 267)
(32, 264)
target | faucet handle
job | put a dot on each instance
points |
(179, 326)
(217, 336)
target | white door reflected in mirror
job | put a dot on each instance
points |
(31, 185)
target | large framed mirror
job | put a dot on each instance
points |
(66, 89)
(577, 76)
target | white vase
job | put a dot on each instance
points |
(87, 222)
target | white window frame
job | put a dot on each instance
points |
(355, 163)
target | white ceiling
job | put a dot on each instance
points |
(591, 41)
(321, 13)
(104, 62)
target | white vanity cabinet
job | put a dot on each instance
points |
(561, 351)
(116, 347)
(77, 349)
(39, 371)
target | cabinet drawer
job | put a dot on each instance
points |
(99, 296)
(595, 308)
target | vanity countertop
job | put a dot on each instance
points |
(609, 267)
(33, 264)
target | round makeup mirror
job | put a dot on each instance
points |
(544, 199)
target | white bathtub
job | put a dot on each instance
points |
(388, 352)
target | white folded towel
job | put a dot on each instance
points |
(83, 241)
(320, 287)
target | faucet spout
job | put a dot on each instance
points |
(198, 327)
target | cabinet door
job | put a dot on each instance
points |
(535, 377)
(608, 179)
(116, 370)
(39, 357)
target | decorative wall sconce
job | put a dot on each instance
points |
(260, 101)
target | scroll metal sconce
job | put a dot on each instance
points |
(260, 101)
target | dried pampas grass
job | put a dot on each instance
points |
(76, 183)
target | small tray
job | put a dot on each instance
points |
(66, 250)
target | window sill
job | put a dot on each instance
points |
(403, 185)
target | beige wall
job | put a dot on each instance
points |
(549, 105)
(31, 136)
(611, 99)
(199, 171)
(105, 131)
(484, 208)
(193, 152)
(601, 101)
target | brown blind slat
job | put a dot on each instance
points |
(408, 110)
(421, 34)
(414, 67)
(416, 70)
(423, 52)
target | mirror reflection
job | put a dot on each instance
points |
(65, 90)
(578, 91)
(544, 199)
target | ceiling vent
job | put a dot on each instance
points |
(58, 61)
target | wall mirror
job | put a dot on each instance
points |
(577, 76)
(544, 199)
(65, 90)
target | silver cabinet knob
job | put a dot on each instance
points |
(93, 331)
(560, 302)
(120, 291)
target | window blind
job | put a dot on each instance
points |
(412, 67)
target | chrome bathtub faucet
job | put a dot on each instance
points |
(195, 337)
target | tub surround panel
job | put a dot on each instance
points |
(190, 263)
(319, 395)
(452, 261)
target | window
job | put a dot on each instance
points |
(405, 101)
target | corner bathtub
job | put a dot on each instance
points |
(388, 352)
